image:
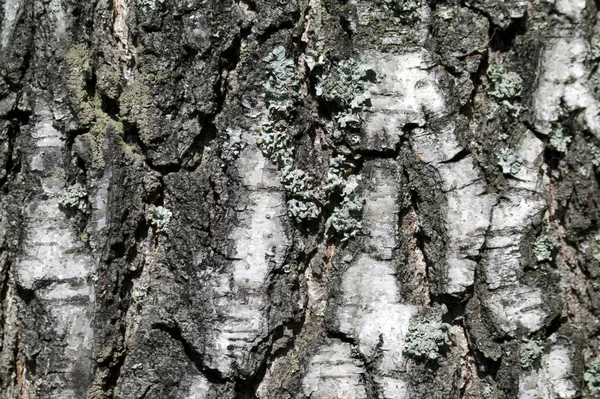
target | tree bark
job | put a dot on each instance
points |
(299, 199)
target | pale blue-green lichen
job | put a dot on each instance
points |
(509, 161)
(281, 87)
(405, 10)
(592, 246)
(592, 377)
(426, 339)
(346, 217)
(276, 143)
(297, 183)
(505, 86)
(302, 210)
(281, 94)
(559, 141)
(159, 216)
(280, 97)
(151, 4)
(529, 351)
(71, 198)
(344, 89)
(595, 47)
(299, 186)
(595, 154)
(545, 247)
(335, 174)
(347, 214)
(233, 145)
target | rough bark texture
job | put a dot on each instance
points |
(453, 251)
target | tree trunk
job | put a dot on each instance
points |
(299, 199)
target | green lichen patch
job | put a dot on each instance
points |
(149, 4)
(159, 216)
(233, 145)
(407, 11)
(546, 247)
(558, 141)
(509, 161)
(275, 143)
(592, 377)
(591, 246)
(70, 199)
(134, 108)
(108, 82)
(426, 339)
(595, 47)
(102, 124)
(529, 352)
(79, 71)
(281, 87)
(595, 155)
(343, 88)
(507, 87)
(346, 219)
(300, 187)
(281, 96)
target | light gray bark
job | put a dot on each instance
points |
(334, 178)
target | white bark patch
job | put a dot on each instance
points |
(51, 253)
(510, 302)
(260, 244)
(405, 93)
(11, 13)
(334, 373)
(468, 203)
(564, 78)
(57, 15)
(371, 310)
(199, 388)
(380, 216)
(553, 380)
(257, 170)
(571, 8)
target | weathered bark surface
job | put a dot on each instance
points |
(161, 102)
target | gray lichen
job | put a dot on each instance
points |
(426, 339)
(275, 143)
(509, 161)
(302, 210)
(347, 214)
(281, 87)
(281, 96)
(595, 47)
(592, 377)
(346, 217)
(71, 198)
(159, 216)
(151, 4)
(406, 10)
(335, 174)
(233, 146)
(529, 352)
(591, 246)
(344, 89)
(505, 86)
(298, 185)
(545, 247)
(595, 153)
(559, 141)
